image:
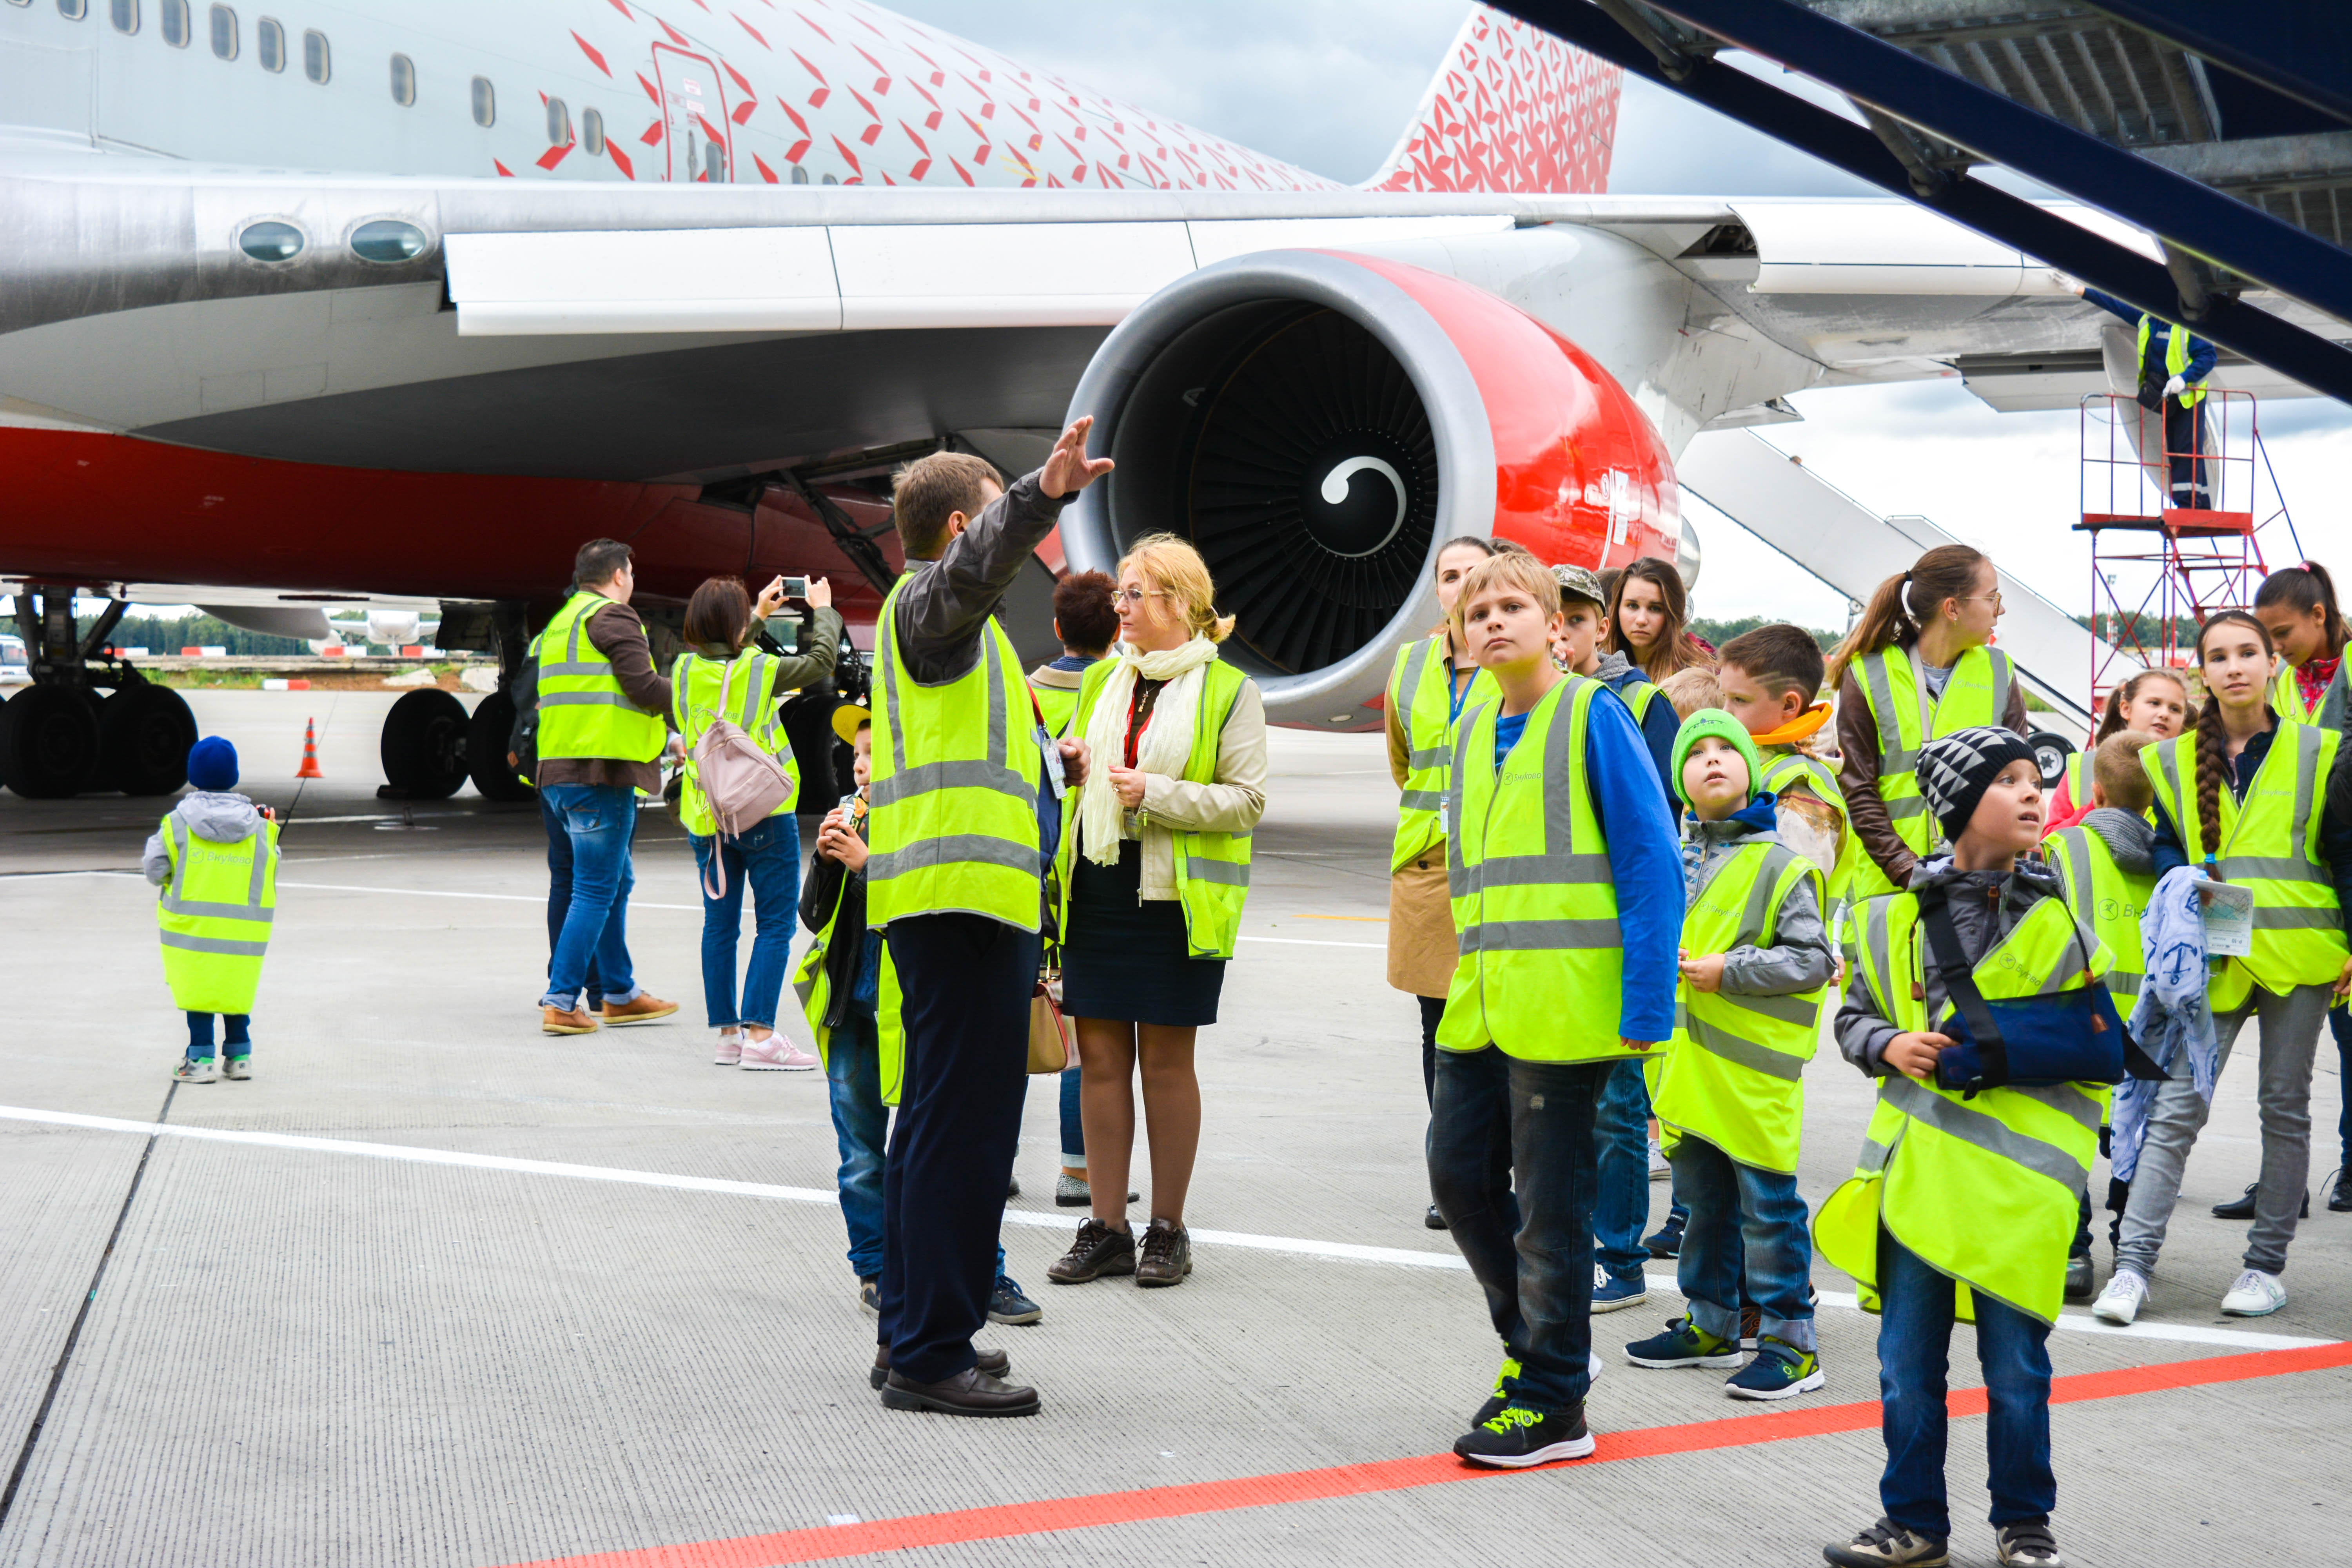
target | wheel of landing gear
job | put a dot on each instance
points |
(2050, 753)
(143, 736)
(424, 745)
(49, 746)
(486, 734)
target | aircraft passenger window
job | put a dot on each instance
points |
(175, 23)
(591, 132)
(270, 45)
(73, 10)
(829, 180)
(404, 80)
(485, 102)
(315, 63)
(388, 240)
(559, 123)
(714, 164)
(225, 32)
(270, 241)
(126, 15)
(800, 175)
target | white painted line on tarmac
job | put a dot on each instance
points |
(1412, 1258)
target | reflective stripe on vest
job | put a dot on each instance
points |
(584, 713)
(1534, 905)
(1975, 693)
(1983, 1188)
(1421, 693)
(2269, 843)
(953, 825)
(2176, 357)
(1784, 769)
(215, 915)
(2108, 900)
(1212, 869)
(1735, 1076)
(2287, 699)
(748, 684)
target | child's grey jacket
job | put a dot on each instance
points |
(217, 819)
(1803, 958)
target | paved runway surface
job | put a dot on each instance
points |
(436, 1290)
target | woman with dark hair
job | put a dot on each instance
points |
(1646, 612)
(2297, 608)
(1916, 666)
(724, 678)
(2246, 796)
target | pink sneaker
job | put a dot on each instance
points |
(730, 1049)
(776, 1054)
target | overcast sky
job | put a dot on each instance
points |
(1328, 85)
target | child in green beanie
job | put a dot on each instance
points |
(1756, 967)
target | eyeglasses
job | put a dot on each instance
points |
(1135, 596)
(1992, 598)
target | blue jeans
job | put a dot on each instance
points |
(1621, 1140)
(1511, 1166)
(861, 1126)
(769, 858)
(1746, 1226)
(602, 822)
(559, 893)
(200, 1034)
(1915, 1338)
(2339, 1024)
(1074, 1131)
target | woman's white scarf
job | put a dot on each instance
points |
(1166, 744)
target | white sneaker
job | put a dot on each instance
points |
(730, 1048)
(2120, 1302)
(1659, 1169)
(2255, 1295)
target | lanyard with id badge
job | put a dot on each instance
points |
(2226, 910)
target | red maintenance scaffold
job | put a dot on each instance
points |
(2176, 530)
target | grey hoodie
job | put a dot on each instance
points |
(1986, 906)
(2129, 839)
(1801, 959)
(216, 818)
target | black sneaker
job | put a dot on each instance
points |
(2242, 1207)
(2028, 1545)
(1517, 1437)
(1432, 1219)
(2339, 1196)
(1666, 1241)
(2081, 1283)
(869, 1295)
(1888, 1544)
(1008, 1303)
(1099, 1250)
(1165, 1256)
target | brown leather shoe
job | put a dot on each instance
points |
(968, 1392)
(1098, 1251)
(995, 1364)
(556, 1021)
(1166, 1255)
(646, 1009)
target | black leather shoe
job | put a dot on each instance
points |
(996, 1363)
(1099, 1250)
(2081, 1284)
(2339, 1196)
(2242, 1207)
(970, 1392)
(1432, 1219)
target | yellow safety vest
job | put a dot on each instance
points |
(2271, 844)
(748, 682)
(582, 711)
(2107, 900)
(1421, 693)
(2176, 357)
(1056, 704)
(1976, 693)
(1212, 869)
(2287, 699)
(1785, 767)
(814, 988)
(2078, 783)
(1736, 1074)
(1534, 910)
(215, 914)
(956, 775)
(1983, 1188)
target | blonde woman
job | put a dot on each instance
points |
(1154, 866)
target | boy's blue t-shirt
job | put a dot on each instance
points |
(1508, 728)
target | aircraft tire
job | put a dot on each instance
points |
(143, 734)
(2050, 751)
(424, 745)
(49, 743)
(485, 750)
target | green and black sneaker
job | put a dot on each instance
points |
(1517, 1437)
(1684, 1343)
(1502, 1395)
(1780, 1370)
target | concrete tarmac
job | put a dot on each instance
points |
(436, 1290)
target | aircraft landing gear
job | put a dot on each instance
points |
(424, 746)
(61, 737)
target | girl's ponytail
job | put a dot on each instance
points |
(1885, 622)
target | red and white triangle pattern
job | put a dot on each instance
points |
(1514, 109)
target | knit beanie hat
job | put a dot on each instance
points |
(1714, 722)
(212, 765)
(1956, 770)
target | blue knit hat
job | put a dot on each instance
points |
(211, 765)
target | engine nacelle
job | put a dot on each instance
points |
(1317, 423)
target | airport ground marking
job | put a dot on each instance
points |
(1290, 1245)
(1014, 1521)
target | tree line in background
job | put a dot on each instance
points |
(1717, 633)
(164, 636)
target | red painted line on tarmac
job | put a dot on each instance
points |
(1015, 1520)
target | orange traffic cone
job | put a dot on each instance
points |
(310, 768)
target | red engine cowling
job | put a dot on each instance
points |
(1317, 423)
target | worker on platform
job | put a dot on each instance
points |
(215, 857)
(2173, 365)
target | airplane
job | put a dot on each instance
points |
(306, 305)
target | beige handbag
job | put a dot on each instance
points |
(1049, 1032)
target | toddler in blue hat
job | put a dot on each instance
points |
(216, 859)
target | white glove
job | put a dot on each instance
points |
(2063, 283)
(2172, 388)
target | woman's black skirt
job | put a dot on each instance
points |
(1125, 960)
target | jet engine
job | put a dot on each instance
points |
(1318, 423)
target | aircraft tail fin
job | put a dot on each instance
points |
(1511, 110)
